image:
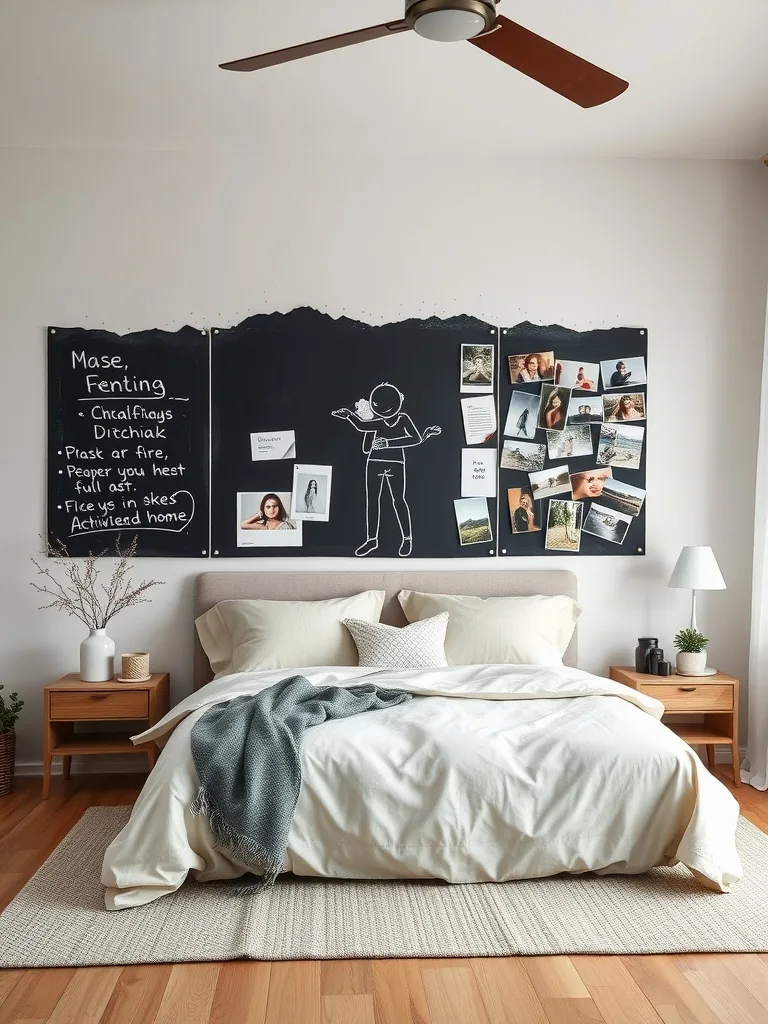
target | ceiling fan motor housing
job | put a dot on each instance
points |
(450, 20)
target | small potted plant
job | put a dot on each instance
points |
(9, 713)
(692, 656)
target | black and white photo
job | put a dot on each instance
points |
(477, 368)
(607, 523)
(522, 455)
(522, 415)
(311, 499)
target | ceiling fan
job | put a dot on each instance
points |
(452, 21)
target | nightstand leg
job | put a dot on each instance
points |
(46, 775)
(736, 771)
(66, 765)
(151, 755)
(710, 755)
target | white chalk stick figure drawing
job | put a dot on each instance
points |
(387, 431)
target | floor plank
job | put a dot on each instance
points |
(453, 996)
(137, 995)
(345, 978)
(85, 997)
(721, 990)
(348, 1009)
(188, 996)
(241, 994)
(294, 993)
(507, 991)
(398, 992)
(555, 977)
(614, 991)
(36, 994)
(669, 991)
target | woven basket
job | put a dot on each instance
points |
(135, 666)
(7, 759)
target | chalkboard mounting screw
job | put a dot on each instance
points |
(61, 472)
(53, 330)
(58, 506)
(215, 552)
(490, 552)
(203, 552)
(639, 551)
(504, 331)
(503, 551)
(491, 331)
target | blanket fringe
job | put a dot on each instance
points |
(245, 849)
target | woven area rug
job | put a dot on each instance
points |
(59, 920)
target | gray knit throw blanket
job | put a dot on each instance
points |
(246, 752)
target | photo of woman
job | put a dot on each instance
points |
(310, 496)
(554, 404)
(589, 484)
(522, 510)
(263, 521)
(579, 376)
(531, 367)
(624, 407)
(271, 516)
(477, 368)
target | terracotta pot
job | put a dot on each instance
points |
(691, 663)
(7, 760)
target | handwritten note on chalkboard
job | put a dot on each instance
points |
(128, 440)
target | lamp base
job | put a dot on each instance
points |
(698, 675)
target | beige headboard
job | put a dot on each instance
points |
(212, 587)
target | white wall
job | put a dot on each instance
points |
(129, 240)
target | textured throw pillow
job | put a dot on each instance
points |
(499, 630)
(250, 636)
(420, 645)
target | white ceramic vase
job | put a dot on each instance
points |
(97, 657)
(691, 663)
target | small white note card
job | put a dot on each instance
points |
(478, 472)
(273, 444)
(479, 415)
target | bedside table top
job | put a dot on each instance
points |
(72, 681)
(634, 678)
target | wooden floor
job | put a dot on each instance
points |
(701, 989)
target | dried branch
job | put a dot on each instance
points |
(83, 594)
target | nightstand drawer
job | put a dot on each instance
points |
(691, 696)
(79, 705)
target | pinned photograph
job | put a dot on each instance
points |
(473, 520)
(584, 410)
(620, 446)
(477, 368)
(522, 415)
(311, 493)
(590, 484)
(571, 443)
(554, 407)
(523, 455)
(263, 520)
(618, 373)
(577, 376)
(564, 526)
(531, 367)
(607, 524)
(552, 481)
(622, 496)
(617, 408)
(523, 510)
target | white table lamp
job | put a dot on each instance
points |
(697, 569)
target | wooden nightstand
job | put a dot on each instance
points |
(716, 698)
(70, 700)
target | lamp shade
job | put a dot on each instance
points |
(697, 569)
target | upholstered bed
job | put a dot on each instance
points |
(491, 772)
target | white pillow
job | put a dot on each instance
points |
(420, 645)
(249, 636)
(499, 630)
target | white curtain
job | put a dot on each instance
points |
(754, 769)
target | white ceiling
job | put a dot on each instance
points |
(142, 74)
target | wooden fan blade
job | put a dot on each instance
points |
(557, 69)
(268, 60)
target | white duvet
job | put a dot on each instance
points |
(491, 773)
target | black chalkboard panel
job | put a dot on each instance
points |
(620, 528)
(128, 450)
(288, 372)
